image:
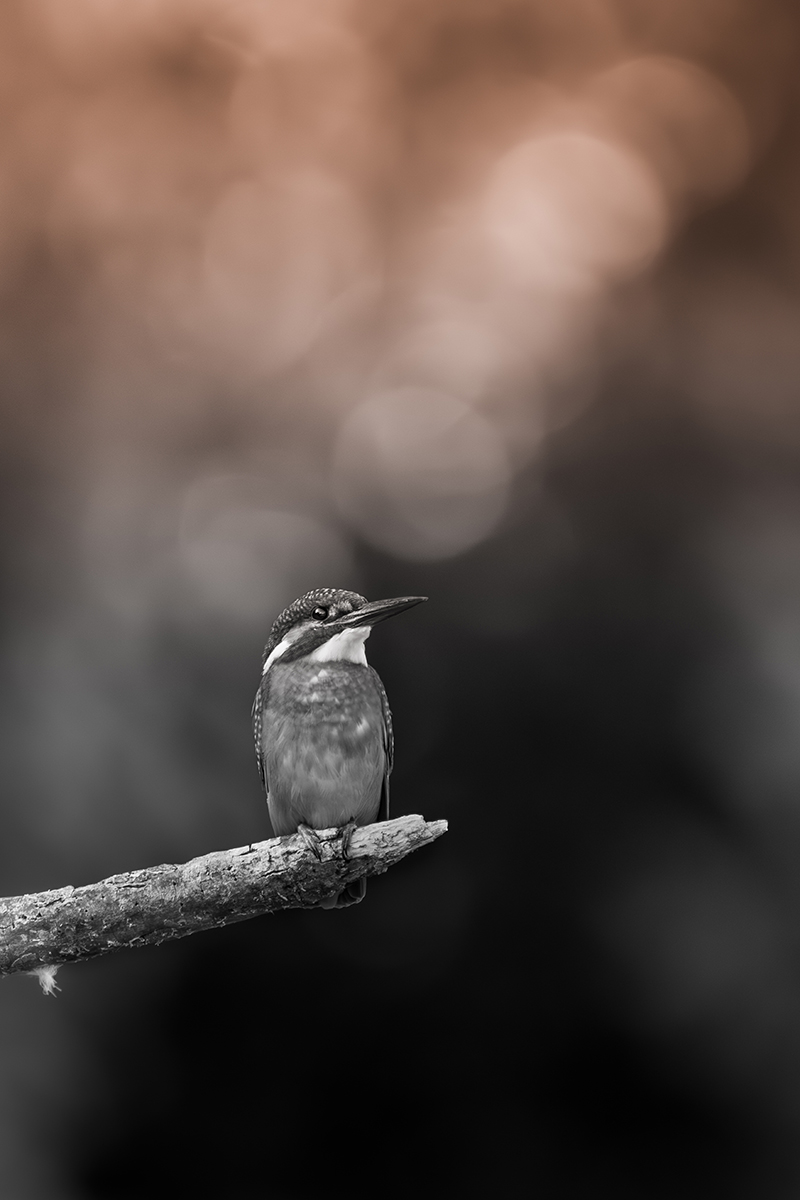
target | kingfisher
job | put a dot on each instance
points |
(322, 723)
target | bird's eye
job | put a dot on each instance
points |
(319, 613)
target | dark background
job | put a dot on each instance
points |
(494, 302)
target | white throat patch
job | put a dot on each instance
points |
(347, 646)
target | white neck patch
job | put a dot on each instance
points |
(281, 648)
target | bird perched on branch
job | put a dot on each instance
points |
(321, 720)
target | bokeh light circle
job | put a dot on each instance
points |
(569, 211)
(241, 558)
(419, 474)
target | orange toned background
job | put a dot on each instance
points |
(497, 302)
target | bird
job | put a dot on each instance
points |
(322, 723)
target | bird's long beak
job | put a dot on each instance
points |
(378, 610)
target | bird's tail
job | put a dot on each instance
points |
(353, 893)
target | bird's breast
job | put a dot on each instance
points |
(323, 744)
(309, 694)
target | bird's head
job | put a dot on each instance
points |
(328, 624)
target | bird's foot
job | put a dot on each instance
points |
(346, 834)
(311, 840)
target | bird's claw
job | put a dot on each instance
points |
(346, 833)
(311, 840)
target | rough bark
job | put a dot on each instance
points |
(143, 908)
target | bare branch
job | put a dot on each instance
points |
(143, 908)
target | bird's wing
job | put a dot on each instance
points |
(259, 704)
(388, 746)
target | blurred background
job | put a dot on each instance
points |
(496, 301)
